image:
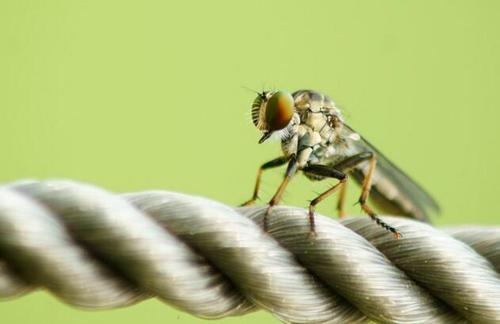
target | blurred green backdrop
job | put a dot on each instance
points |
(133, 95)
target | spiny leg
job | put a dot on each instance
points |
(367, 183)
(349, 163)
(268, 165)
(324, 171)
(290, 171)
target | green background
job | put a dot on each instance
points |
(133, 95)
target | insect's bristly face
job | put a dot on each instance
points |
(272, 111)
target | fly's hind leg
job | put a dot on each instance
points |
(324, 171)
(345, 166)
(351, 162)
(268, 165)
(367, 183)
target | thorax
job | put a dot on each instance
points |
(315, 135)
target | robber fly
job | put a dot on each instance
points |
(316, 141)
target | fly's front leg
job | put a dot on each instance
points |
(367, 183)
(290, 171)
(350, 163)
(268, 165)
(324, 171)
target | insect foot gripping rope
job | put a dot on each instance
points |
(95, 249)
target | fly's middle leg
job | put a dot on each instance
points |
(324, 171)
(268, 165)
(341, 201)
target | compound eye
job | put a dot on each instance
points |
(279, 110)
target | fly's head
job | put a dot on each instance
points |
(273, 112)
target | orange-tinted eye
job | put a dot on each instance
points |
(279, 110)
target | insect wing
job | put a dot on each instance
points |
(392, 188)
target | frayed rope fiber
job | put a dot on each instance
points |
(98, 250)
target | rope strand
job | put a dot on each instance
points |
(94, 249)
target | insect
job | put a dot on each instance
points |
(316, 140)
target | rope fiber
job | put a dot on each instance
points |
(97, 250)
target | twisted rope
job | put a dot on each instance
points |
(94, 249)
